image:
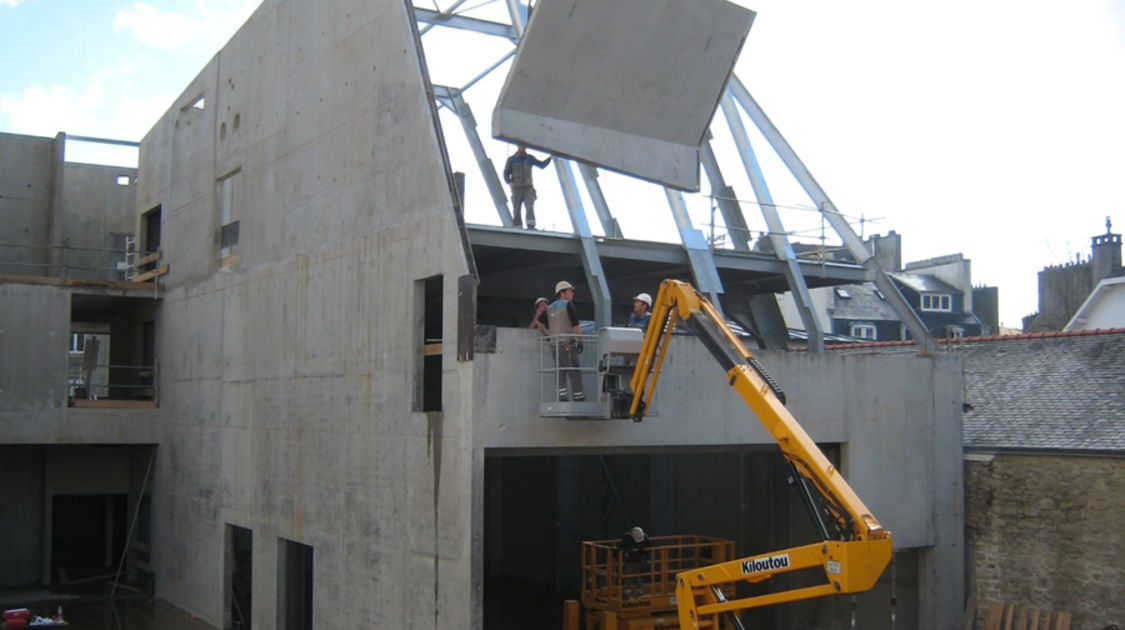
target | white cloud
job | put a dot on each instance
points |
(208, 24)
(46, 111)
(11, 3)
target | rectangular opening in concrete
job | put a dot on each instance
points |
(428, 343)
(539, 509)
(239, 577)
(87, 535)
(294, 585)
(228, 219)
(112, 354)
(150, 224)
(123, 180)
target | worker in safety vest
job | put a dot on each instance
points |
(561, 321)
(640, 315)
(517, 173)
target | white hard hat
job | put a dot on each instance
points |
(644, 297)
(542, 299)
(637, 533)
(562, 286)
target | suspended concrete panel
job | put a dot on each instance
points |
(630, 85)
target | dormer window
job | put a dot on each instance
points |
(937, 302)
(863, 330)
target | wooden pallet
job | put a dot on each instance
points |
(1008, 616)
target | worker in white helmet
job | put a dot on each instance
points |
(539, 318)
(561, 321)
(640, 315)
(634, 547)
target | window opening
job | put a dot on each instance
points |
(228, 219)
(936, 302)
(151, 224)
(294, 585)
(196, 105)
(428, 343)
(123, 180)
(240, 564)
(863, 331)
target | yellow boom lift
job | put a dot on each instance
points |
(854, 548)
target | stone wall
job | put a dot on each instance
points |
(1044, 530)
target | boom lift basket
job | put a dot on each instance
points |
(635, 595)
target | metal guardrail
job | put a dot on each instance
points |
(645, 586)
(559, 380)
(87, 263)
(112, 382)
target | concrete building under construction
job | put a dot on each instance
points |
(304, 394)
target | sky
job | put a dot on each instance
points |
(990, 128)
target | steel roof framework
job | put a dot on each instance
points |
(735, 103)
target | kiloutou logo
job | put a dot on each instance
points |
(771, 563)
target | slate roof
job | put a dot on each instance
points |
(1052, 392)
(923, 283)
(1040, 392)
(864, 303)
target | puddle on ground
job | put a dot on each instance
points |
(132, 612)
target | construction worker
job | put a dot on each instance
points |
(634, 558)
(517, 173)
(538, 319)
(640, 315)
(561, 321)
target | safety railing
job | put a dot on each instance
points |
(107, 385)
(65, 261)
(646, 585)
(568, 375)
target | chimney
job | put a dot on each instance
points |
(1106, 259)
(887, 250)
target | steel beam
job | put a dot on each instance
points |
(485, 27)
(781, 246)
(609, 224)
(728, 203)
(452, 99)
(851, 240)
(698, 251)
(595, 276)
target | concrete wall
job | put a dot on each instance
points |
(288, 379)
(21, 507)
(1034, 528)
(97, 213)
(34, 337)
(898, 419)
(26, 175)
(47, 204)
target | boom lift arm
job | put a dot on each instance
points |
(855, 549)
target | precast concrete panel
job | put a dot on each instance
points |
(630, 85)
(34, 339)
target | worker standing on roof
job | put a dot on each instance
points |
(561, 321)
(640, 315)
(517, 173)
